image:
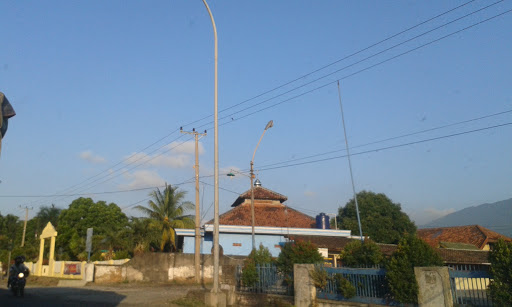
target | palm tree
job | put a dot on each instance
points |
(167, 210)
(47, 214)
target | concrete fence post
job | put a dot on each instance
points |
(305, 291)
(434, 286)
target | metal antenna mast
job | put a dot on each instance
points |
(350, 164)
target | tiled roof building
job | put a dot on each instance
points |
(269, 211)
(450, 256)
(474, 235)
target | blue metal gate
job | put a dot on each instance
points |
(469, 285)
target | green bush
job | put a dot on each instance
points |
(357, 253)
(501, 271)
(260, 256)
(319, 276)
(250, 275)
(344, 286)
(297, 252)
(411, 252)
(122, 254)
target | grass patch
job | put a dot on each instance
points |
(42, 281)
(188, 302)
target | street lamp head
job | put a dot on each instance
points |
(269, 125)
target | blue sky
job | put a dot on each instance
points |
(101, 87)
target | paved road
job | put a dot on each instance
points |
(117, 295)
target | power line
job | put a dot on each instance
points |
(388, 147)
(269, 166)
(88, 186)
(397, 137)
(148, 198)
(230, 116)
(350, 75)
(354, 73)
(337, 61)
(123, 160)
(81, 194)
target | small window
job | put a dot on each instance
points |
(237, 244)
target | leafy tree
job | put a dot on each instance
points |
(48, 214)
(357, 253)
(142, 234)
(411, 252)
(257, 257)
(84, 213)
(297, 252)
(167, 209)
(10, 227)
(381, 219)
(501, 271)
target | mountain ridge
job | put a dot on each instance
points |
(495, 216)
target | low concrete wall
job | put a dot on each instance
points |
(434, 286)
(161, 267)
(104, 273)
(305, 291)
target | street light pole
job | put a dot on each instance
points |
(269, 125)
(216, 163)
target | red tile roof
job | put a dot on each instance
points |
(269, 211)
(334, 244)
(451, 256)
(460, 256)
(266, 214)
(474, 234)
(337, 244)
(259, 193)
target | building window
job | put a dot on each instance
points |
(237, 244)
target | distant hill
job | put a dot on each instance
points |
(496, 217)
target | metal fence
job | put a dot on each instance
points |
(370, 285)
(270, 281)
(470, 285)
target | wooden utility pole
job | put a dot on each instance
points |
(197, 251)
(25, 225)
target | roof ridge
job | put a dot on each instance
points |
(266, 189)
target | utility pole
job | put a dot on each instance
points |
(25, 225)
(197, 251)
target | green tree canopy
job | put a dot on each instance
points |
(381, 219)
(411, 252)
(297, 252)
(48, 214)
(501, 270)
(143, 235)
(10, 229)
(168, 211)
(357, 254)
(260, 256)
(84, 213)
